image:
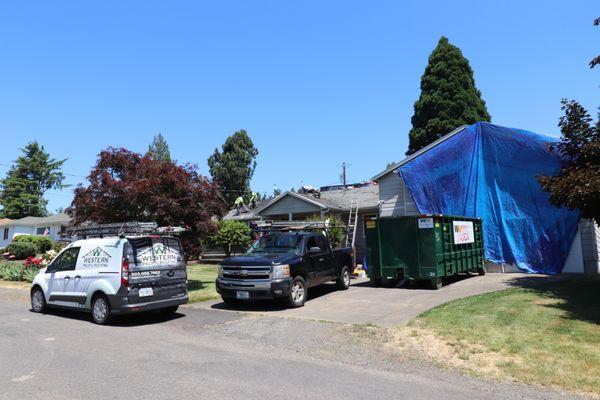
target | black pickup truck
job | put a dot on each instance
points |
(284, 265)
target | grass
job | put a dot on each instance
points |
(201, 282)
(546, 334)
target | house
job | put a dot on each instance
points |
(51, 226)
(490, 172)
(323, 203)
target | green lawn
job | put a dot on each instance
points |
(547, 335)
(201, 282)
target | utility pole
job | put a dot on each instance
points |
(344, 173)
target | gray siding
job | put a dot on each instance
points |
(590, 245)
(396, 199)
(290, 204)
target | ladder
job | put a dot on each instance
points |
(352, 220)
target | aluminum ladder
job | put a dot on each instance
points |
(352, 220)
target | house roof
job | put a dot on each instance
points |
(418, 153)
(50, 220)
(366, 194)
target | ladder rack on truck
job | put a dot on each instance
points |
(287, 226)
(133, 228)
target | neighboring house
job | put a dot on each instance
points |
(396, 199)
(51, 226)
(328, 201)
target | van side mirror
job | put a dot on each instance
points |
(314, 250)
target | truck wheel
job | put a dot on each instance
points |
(481, 271)
(38, 301)
(343, 281)
(297, 295)
(101, 310)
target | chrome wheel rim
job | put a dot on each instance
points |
(37, 302)
(346, 277)
(100, 309)
(297, 292)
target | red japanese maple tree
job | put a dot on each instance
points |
(127, 186)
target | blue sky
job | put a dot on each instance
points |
(313, 83)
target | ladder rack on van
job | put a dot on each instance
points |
(123, 229)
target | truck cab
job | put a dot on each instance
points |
(284, 265)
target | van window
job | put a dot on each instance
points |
(156, 250)
(67, 260)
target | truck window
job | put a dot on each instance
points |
(322, 243)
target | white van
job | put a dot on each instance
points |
(113, 276)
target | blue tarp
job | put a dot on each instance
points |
(489, 171)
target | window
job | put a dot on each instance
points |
(67, 260)
(322, 243)
(5, 233)
(44, 230)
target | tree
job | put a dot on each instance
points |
(23, 188)
(159, 149)
(232, 234)
(448, 98)
(233, 167)
(577, 184)
(126, 186)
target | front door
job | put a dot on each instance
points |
(60, 276)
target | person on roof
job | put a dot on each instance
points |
(253, 199)
(239, 203)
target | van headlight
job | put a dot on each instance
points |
(281, 271)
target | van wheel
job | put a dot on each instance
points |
(101, 310)
(38, 301)
(343, 281)
(297, 295)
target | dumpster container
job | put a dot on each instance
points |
(424, 247)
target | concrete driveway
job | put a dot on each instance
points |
(365, 304)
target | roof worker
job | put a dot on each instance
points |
(253, 199)
(239, 203)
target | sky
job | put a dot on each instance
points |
(314, 83)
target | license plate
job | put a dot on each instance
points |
(145, 292)
(242, 295)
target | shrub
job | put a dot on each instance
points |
(58, 246)
(231, 234)
(42, 243)
(22, 250)
(11, 271)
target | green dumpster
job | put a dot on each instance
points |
(424, 247)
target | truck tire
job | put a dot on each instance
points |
(298, 291)
(343, 280)
(101, 310)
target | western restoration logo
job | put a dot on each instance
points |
(96, 258)
(158, 254)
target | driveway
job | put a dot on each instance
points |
(365, 304)
(200, 353)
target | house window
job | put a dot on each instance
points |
(5, 233)
(44, 230)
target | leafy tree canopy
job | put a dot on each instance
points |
(159, 149)
(231, 235)
(233, 166)
(577, 183)
(448, 98)
(23, 188)
(126, 186)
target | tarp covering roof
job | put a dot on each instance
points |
(489, 171)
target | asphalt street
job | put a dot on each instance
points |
(204, 353)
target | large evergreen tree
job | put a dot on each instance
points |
(159, 149)
(448, 98)
(233, 166)
(23, 188)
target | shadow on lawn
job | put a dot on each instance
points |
(194, 284)
(580, 295)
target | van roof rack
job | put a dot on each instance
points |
(123, 229)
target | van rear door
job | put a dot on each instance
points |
(157, 269)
